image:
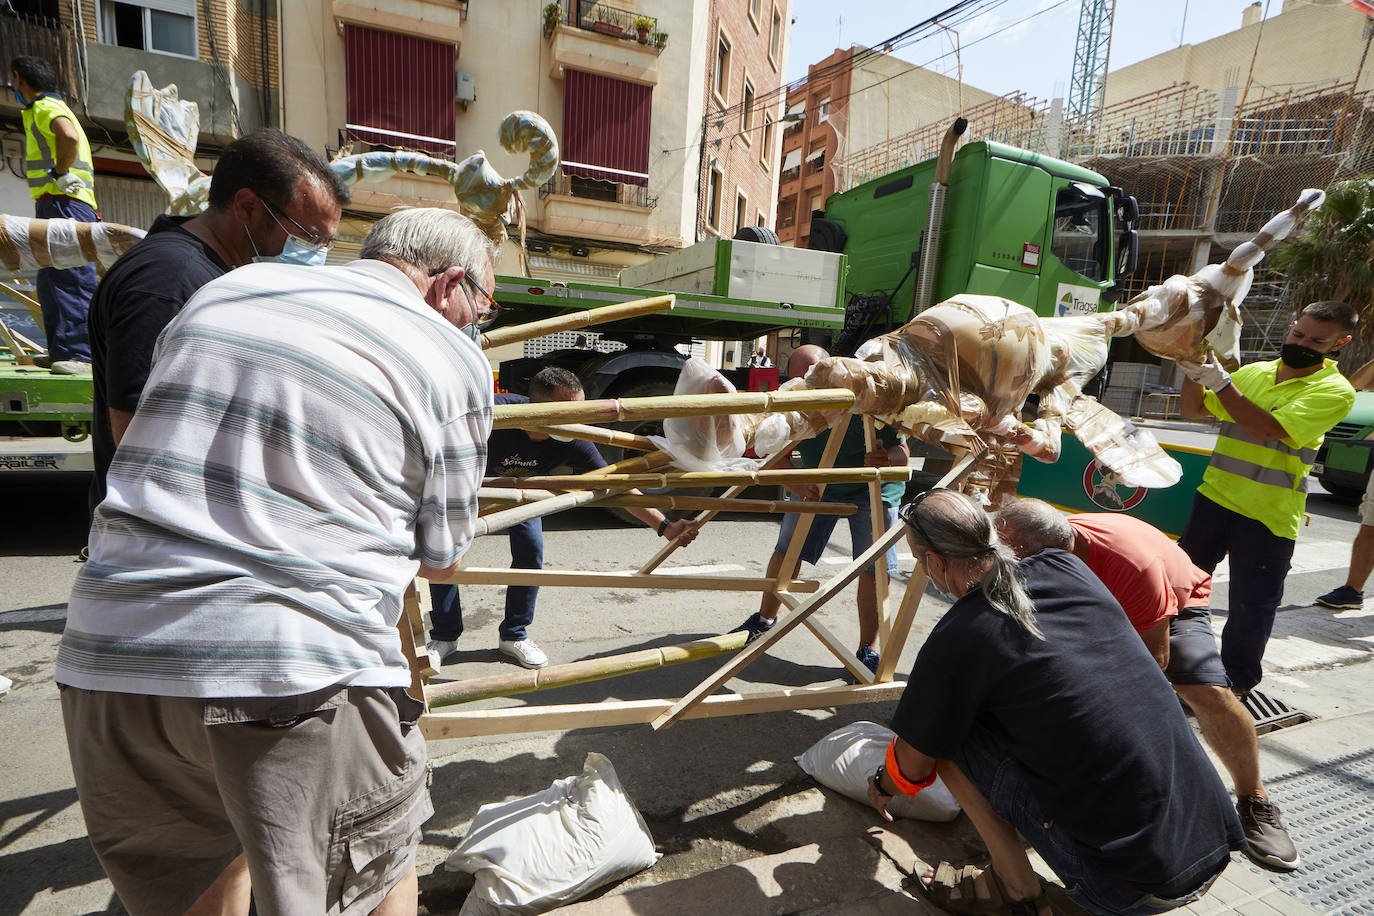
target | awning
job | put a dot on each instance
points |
(794, 107)
(399, 89)
(791, 160)
(815, 154)
(606, 128)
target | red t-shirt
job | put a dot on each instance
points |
(1142, 567)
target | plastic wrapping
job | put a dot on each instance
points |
(28, 244)
(771, 432)
(163, 129)
(704, 443)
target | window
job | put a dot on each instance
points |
(164, 26)
(605, 127)
(747, 119)
(755, 6)
(713, 196)
(592, 188)
(1080, 221)
(722, 68)
(766, 150)
(791, 165)
(399, 89)
(817, 203)
(787, 211)
(761, 220)
(741, 211)
(823, 110)
(815, 160)
(775, 37)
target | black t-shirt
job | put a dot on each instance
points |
(1088, 715)
(511, 453)
(139, 295)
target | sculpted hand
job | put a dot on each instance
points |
(1208, 373)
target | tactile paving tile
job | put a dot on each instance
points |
(1328, 809)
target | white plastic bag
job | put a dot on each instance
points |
(536, 853)
(704, 443)
(846, 759)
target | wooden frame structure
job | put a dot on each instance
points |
(536, 497)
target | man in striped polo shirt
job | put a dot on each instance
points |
(233, 681)
(1254, 492)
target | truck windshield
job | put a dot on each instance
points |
(1080, 230)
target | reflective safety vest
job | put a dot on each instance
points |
(1267, 480)
(40, 151)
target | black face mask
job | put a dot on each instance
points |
(1296, 356)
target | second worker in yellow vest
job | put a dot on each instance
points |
(1254, 492)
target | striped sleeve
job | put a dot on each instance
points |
(448, 507)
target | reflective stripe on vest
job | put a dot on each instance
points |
(1234, 431)
(1259, 473)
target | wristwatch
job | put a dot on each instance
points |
(878, 781)
(663, 526)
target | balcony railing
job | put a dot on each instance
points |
(607, 20)
(50, 39)
(630, 195)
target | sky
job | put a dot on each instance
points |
(1032, 50)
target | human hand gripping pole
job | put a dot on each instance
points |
(1208, 373)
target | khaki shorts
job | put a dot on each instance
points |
(1367, 503)
(324, 793)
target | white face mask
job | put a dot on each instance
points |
(561, 438)
(930, 577)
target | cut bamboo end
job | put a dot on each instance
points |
(583, 672)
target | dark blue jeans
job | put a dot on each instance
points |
(1260, 561)
(1003, 783)
(65, 295)
(526, 552)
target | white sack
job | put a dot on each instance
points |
(536, 853)
(846, 759)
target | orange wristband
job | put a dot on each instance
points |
(894, 773)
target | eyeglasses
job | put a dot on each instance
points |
(908, 515)
(467, 278)
(309, 236)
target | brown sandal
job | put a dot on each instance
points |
(948, 878)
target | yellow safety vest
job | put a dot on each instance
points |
(1267, 481)
(40, 151)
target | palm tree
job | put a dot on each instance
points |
(1334, 259)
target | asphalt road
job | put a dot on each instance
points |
(712, 791)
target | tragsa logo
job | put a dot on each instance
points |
(1107, 492)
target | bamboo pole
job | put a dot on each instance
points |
(583, 672)
(489, 495)
(878, 521)
(707, 478)
(633, 465)
(666, 550)
(612, 410)
(509, 518)
(575, 320)
(25, 300)
(585, 579)
(598, 435)
(14, 346)
(792, 559)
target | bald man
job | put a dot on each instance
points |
(890, 451)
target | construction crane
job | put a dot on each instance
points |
(1090, 52)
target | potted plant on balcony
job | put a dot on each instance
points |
(643, 24)
(552, 11)
(659, 40)
(604, 20)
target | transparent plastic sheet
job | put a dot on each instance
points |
(705, 443)
(163, 129)
(29, 244)
(771, 432)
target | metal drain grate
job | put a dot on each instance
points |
(1326, 807)
(1271, 713)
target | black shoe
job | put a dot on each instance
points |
(1343, 598)
(868, 657)
(1266, 840)
(755, 626)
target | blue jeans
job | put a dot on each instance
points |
(1260, 561)
(526, 552)
(65, 295)
(822, 526)
(1003, 783)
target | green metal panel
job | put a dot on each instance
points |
(1074, 482)
(1011, 212)
(31, 394)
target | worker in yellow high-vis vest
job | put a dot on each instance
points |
(1253, 495)
(57, 165)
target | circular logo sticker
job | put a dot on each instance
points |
(1107, 492)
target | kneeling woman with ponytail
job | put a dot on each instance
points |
(1043, 714)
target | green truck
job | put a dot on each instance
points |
(1346, 458)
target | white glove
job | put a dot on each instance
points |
(68, 183)
(1208, 373)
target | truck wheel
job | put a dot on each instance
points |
(761, 234)
(612, 454)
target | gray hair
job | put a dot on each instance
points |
(949, 523)
(1037, 524)
(430, 238)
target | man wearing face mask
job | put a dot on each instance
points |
(272, 198)
(1253, 495)
(233, 679)
(524, 453)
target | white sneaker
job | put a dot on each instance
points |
(5, 685)
(438, 650)
(525, 652)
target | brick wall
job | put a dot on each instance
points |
(797, 197)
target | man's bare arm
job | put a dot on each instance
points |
(119, 424)
(68, 144)
(1257, 422)
(1190, 401)
(438, 575)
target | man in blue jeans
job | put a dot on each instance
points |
(890, 451)
(522, 453)
(57, 166)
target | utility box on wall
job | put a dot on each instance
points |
(466, 86)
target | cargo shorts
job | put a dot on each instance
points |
(324, 793)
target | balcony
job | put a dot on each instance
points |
(596, 209)
(50, 39)
(602, 39)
